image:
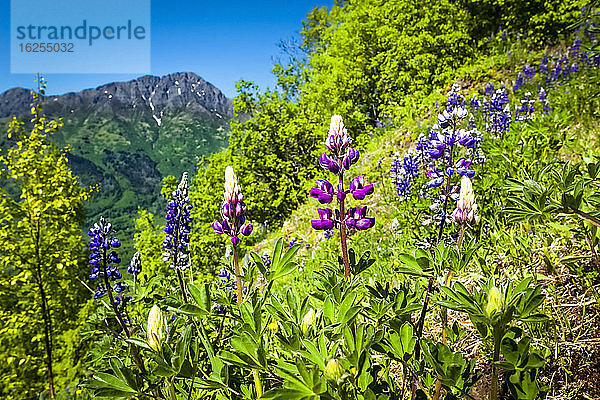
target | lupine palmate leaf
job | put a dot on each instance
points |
(412, 266)
(401, 345)
(200, 295)
(313, 354)
(123, 373)
(300, 383)
(364, 263)
(106, 384)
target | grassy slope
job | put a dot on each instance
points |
(570, 297)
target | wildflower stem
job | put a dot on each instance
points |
(420, 325)
(257, 383)
(181, 286)
(591, 219)
(442, 223)
(461, 236)
(444, 312)
(497, 342)
(421, 321)
(341, 200)
(134, 350)
(238, 278)
(172, 389)
(343, 239)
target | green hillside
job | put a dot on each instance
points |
(132, 155)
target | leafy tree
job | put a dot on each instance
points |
(147, 242)
(379, 52)
(276, 149)
(540, 20)
(40, 232)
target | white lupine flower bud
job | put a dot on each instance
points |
(338, 139)
(495, 301)
(308, 321)
(336, 126)
(333, 371)
(157, 330)
(232, 188)
(466, 208)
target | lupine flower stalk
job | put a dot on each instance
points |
(525, 111)
(439, 155)
(177, 231)
(403, 171)
(103, 261)
(339, 160)
(466, 207)
(135, 267)
(497, 112)
(233, 221)
(442, 148)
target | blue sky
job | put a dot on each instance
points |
(221, 41)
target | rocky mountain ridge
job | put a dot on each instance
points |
(152, 94)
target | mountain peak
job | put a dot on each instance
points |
(154, 94)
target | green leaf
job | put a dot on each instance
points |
(328, 309)
(104, 380)
(200, 295)
(313, 353)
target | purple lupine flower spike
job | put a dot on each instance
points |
(178, 226)
(339, 160)
(103, 259)
(233, 210)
